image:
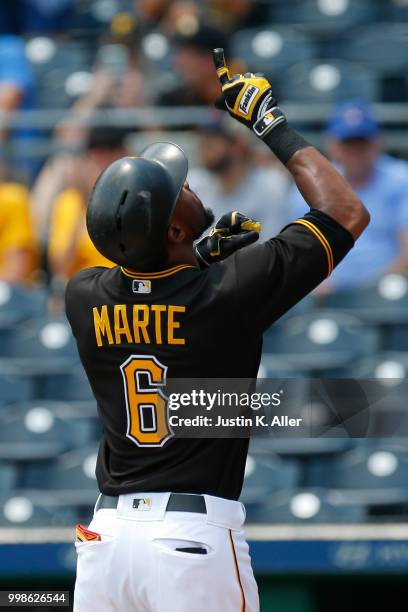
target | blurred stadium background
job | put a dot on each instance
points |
(82, 81)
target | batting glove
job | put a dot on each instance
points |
(248, 98)
(232, 232)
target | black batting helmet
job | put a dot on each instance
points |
(131, 205)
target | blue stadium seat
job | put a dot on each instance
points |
(324, 15)
(263, 476)
(396, 338)
(300, 448)
(18, 304)
(386, 301)
(395, 10)
(383, 380)
(329, 81)
(41, 347)
(385, 365)
(384, 47)
(271, 49)
(53, 63)
(71, 477)
(8, 476)
(15, 388)
(69, 386)
(377, 474)
(35, 509)
(157, 52)
(305, 506)
(321, 341)
(36, 431)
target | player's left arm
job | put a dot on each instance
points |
(232, 232)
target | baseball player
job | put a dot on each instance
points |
(167, 534)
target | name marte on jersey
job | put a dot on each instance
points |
(138, 324)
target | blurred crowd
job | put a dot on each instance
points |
(43, 197)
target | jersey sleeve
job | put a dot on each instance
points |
(273, 276)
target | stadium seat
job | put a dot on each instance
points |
(36, 431)
(271, 49)
(35, 509)
(41, 347)
(54, 64)
(383, 47)
(18, 304)
(329, 81)
(8, 476)
(364, 474)
(263, 476)
(70, 386)
(320, 341)
(157, 51)
(305, 506)
(395, 10)
(71, 477)
(385, 302)
(300, 448)
(15, 388)
(324, 15)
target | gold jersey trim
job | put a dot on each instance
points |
(154, 275)
(323, 240)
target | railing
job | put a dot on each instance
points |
(311, 117)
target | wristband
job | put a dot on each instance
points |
(284, 142)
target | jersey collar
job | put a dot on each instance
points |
(153, 275)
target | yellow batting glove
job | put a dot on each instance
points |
(248, 98)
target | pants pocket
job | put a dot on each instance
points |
(181, 547)
(183, 577)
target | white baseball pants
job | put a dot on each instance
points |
(135, 565)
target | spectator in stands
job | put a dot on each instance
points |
(18, 253)
(16, 77)
(228, 178)
(70, 248)
(170, 16)
(194, 64)
(381, 182)
(17, 92)
(118, 81)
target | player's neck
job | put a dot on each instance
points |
(181, 254)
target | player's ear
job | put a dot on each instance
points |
(176, 233)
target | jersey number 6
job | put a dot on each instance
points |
(146, 404)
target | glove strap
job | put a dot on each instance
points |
(267, 122)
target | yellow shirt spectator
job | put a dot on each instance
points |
(70, 248)
(18, 250)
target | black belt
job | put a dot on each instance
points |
(178, 502)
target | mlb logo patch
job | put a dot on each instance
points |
(143, 504)
(141, 286)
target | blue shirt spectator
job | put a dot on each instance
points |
(16, 93)
(15, 73)
(381, 182)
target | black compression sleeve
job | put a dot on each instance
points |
(284, 141)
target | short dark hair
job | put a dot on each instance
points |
(106, 137)
(206, 38)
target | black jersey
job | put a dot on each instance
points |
(184, 322)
